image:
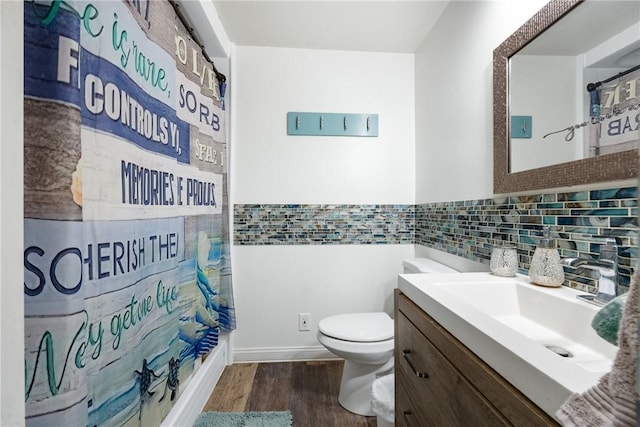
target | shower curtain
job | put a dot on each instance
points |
(127, 277)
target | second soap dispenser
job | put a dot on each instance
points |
(545, 269)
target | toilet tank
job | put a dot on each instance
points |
(425, 265)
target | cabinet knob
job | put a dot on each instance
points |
(419, 374)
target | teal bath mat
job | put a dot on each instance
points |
(244, 419)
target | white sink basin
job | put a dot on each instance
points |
(510, 323)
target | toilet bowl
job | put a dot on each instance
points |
(366, 342)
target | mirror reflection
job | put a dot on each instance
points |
(574, 91)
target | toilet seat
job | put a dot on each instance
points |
(361, 351)
(358, 327)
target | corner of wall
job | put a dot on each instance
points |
(11, 218)
(204, 17)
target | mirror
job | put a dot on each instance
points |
(540, 78)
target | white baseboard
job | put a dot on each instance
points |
(199, 388)
(281, 354)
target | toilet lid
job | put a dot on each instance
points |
(358, 327)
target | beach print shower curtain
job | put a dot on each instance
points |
(127, 275)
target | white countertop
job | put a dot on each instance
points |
(508, 321)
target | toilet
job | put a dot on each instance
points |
(425, 266)
(365, 341)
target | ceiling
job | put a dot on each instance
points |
(586, 27)
(356, 25)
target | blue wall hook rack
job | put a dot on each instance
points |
(332, 124)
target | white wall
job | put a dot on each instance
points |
(11, 219)
(544, 87)
(454, 98)
(271, 167)
(272, 284)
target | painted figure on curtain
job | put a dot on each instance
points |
(126, 260)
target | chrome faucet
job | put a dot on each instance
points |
(607, 267)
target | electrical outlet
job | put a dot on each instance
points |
(304, 322)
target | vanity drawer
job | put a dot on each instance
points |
(408, 413)
(440, 395)
(477, 390)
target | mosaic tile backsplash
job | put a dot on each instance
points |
(323, 224)
(579, 221)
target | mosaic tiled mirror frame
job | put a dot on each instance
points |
(611, 167)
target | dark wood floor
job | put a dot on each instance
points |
(308, 389)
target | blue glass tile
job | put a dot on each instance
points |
(575, 196)
(550, 205)
(601, 212)
(567, 220)
(615, 193)
(625, 222)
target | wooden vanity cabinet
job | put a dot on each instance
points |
(439, 382)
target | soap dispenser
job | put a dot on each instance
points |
(545, 269)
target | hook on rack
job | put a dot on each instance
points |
(331, 124)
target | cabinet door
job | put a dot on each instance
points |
(466, 376)
(439, 394)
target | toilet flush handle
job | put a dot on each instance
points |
(405, 354)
